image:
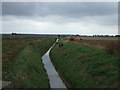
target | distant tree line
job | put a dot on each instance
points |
(14, 33)
(117, 35)
(106, 36)
(63, 35)
(21, 34)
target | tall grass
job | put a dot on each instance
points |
(84, 66)
(22, 60)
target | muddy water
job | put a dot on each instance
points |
(54, 79)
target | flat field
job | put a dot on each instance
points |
(110, 44)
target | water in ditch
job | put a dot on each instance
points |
(54, 79)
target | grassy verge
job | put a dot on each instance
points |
(84, 66)
(22, 63)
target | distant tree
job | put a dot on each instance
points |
(13, 33)
(58, 35)
(77, 35)
(106, 35)
(117, 35)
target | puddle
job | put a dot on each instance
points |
(54, 79)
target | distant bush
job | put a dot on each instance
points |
(13, 33)
(60, 44)
(117, 35)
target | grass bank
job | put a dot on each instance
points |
(83, 66)
(22, 63)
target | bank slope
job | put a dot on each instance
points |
(22, 65)
(83, 66)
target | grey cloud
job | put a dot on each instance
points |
(102, 13)
(66, 9)
(18, 9)
(100, 20)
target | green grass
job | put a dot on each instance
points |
(22, 64)
(84, 66)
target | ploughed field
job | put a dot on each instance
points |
(110, 44)
(21, 60)
(92, 62)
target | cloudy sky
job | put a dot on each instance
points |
(60, 17)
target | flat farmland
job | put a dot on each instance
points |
(110, 44)
(95, 38)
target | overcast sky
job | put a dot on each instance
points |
(60, 17)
